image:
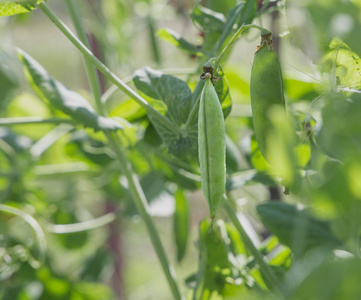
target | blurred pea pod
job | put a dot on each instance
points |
(266, 90)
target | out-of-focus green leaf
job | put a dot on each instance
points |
(296, 228)
(331, 281)
(8, 79)
(232, 156)
(340, 132)
(181, 223)
(217, 275)
(175, 39)
(63, 99)
(208, 19)
(14, 7)
(19, 143)
(346, 62)
(248, 13)
(313, 24)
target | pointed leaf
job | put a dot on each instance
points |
(175, 39)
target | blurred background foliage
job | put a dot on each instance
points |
(65, 178)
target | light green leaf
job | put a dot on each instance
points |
(14, 7)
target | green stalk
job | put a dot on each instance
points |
(33, 120)
(143, 209)
(234, 38)
(114, 141)
(105, 70)
(90, 69)
(267, 273)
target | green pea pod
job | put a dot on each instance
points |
(212, 146)
(266, 90)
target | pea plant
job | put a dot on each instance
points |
(266, 182)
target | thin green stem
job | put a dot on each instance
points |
(35, 226)
(143, 209)
(115, 143)
(82, 226)
(90, 69)
(268, 274)
(235, 37)
(105, 70)
(33, 120)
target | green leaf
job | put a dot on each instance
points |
(222, 89)
(174, 92)
(333, 280)
(296, 228)
(207, 19)
(181, 223)
(19, 143)
(63, 99)
(248, 12)
(175, 39)
(347, 63)
(216, 274)
(8, 79)
(339, 135)
(177, 97)
(14, 7)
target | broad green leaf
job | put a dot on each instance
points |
(296, 228)
(177, 97)
(346, 62)
(67, 101)
(339, 135)
(313, 24)
(14, 7)
(207, 19)
(175, 39)
(333, 280)
(174, 92)
(221, 6)
(181, 223)
(210, 23)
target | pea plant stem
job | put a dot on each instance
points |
(105, 70)
(33, 120)
(115, 143)
(142, 206)
(90, 69)
(267, 273)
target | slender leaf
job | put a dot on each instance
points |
(181, 223)
(67, 101)
(175, 39)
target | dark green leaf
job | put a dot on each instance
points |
(181, 223)
(8, 79)
(296, 228)
(175, 39)
(174, 92)
(248, 12)
(333, 280)
(207, 19)
(63, 99)
(19, 143)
